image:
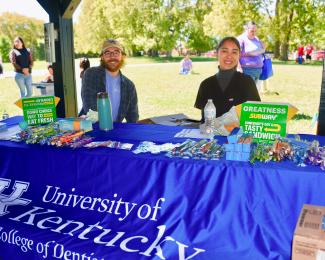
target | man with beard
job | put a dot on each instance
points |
(108, 78)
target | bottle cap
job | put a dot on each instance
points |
(102, 95)
(5, 116)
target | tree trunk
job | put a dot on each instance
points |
(287, 34)
(276, 49)
(153, 53)
(276, 34)
(284, 51)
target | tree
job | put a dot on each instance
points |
(282, 24)
(295, 22)
(39, 51)
(308, 23)
(195, 36)
(29, 29)
(4, 49)
(135, 23)
(149, 25)
(228, 17)
(93, 26)
(158, 25)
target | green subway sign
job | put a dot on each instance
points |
(265, 121)
(39, 110)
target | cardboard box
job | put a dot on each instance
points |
(309, 237)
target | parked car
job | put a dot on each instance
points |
(318, 55)
(210, 54)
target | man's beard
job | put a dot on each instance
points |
(111, 68)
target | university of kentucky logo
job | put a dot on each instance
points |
(14, 198)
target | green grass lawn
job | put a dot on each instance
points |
(161, 90)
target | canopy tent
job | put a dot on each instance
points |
(60, 13)
(321, 113)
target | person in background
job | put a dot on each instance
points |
(21, 58)
(186, 65)
(108, 78)
(252, 50)
(228, 87)
(1, 66)
(83, 65)
(49, 77)
(309, 50)
(300, 54)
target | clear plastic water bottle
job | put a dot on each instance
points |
(5, 115)
(209, 117)
(104, 108)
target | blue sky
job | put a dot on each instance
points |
(29, 8)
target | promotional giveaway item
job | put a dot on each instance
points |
(151, 147)
(50, 134)
(301, 152)
(104, 108)
(238, 147)
(203, 149)
(109, 144)
(75, 124)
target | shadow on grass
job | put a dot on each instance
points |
(270, 93)
(301, 117)
(192, 73)
(175, 59)
(292, 62)
(207, 59)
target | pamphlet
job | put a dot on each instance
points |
(192, 133)
(10, 133)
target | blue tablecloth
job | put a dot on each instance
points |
(113, 204)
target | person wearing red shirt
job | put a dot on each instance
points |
(301, 53)
(309, 50)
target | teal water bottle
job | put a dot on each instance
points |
(104, 109)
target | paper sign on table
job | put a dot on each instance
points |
(266, 121)
(38, 110)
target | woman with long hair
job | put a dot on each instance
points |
(21, 59)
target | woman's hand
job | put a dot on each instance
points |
(26, 71)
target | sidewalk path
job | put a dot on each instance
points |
(10, 74)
